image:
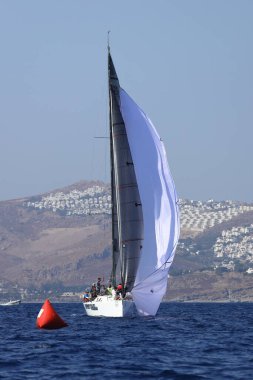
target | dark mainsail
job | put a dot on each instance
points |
(127, 218)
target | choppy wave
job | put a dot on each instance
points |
(184, 341)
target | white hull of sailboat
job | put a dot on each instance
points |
(106, 306)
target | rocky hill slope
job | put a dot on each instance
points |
(62, 240)
(41, 246)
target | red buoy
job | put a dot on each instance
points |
(48, 318)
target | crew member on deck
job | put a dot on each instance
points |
(93, 291)
(109, 290)
(86, 296)
(102, 290)
(119, 290)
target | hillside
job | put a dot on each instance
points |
(38, 247)
(61, 240)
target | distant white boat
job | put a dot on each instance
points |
(11, 303)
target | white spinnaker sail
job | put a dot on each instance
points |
(159, 205)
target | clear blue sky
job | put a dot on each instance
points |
(188, 64)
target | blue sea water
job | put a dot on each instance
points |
(184, 341)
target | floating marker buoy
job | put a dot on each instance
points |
(48, 318)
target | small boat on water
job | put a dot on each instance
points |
(11, 303)
(145, 215)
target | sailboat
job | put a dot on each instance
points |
(145, 214)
